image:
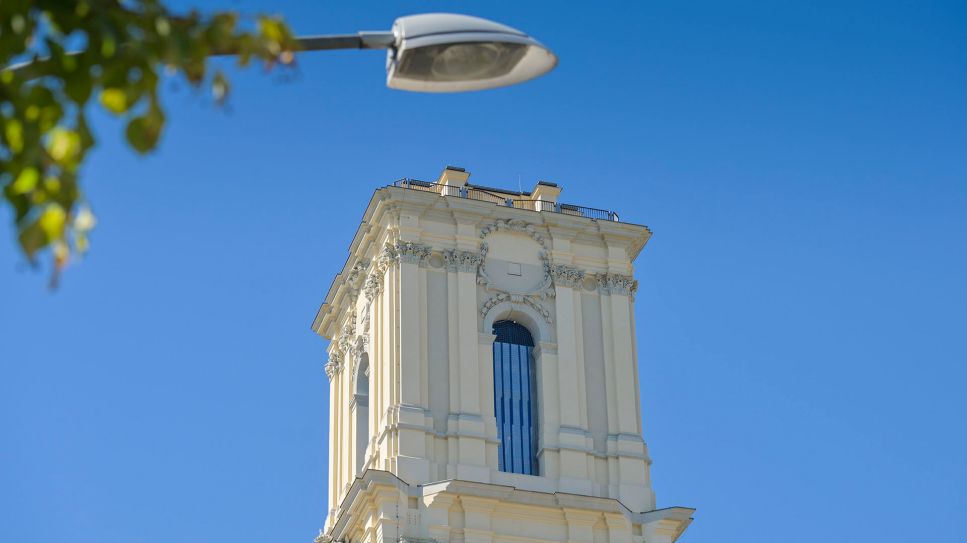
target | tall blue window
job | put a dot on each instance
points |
(515, 398)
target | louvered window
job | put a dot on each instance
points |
(515, 398)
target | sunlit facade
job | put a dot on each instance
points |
(483, 373)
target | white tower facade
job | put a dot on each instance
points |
(483, 373)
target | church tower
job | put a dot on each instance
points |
(483, 373)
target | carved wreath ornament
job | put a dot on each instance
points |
(560, 275)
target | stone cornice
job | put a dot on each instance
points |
(381, 220)
(670, 521)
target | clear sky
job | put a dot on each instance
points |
(801, 311)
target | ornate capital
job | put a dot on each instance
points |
(613, 283)
(465, 261)
(566, 276)
(411, 252)
(357, 271)
(373, 285)
(334, 365)
(388, 257)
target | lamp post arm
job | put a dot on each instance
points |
(361, 40)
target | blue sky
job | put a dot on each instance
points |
(802, 304)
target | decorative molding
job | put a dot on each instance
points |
(566, 276)
(366, 319)
(387, 258)
(515, 225)
(373, 286)
(613, 283)
(334, 365)
(464, 261)
(500, 297)
(411, 252)
(482, 277)
(534, 298)
(358, 270)
(546, 288)
(360, 347)
(322, 537)
(344, 342)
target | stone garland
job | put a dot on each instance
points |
(500, 297)
(515, 225)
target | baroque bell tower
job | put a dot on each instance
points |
(483, 373)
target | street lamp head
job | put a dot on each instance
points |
(444, 52)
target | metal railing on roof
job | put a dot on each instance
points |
(472, 193)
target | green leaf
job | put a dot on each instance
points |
(271, 29)
(52, 221)
(32, 239)
(137, 135)
(26, 181)
(14, 134)
(143, 132)
(46, 229)
(79, 86)
(44, 136)
(64, 146)
(114, 100)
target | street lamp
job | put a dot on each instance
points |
(434, 52)
(446, 52)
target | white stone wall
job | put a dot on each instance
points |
(426, 278)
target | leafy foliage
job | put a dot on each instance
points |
(121, 49)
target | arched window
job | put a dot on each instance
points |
(515, 398)
(361, 406)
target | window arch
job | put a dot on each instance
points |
(515, 398)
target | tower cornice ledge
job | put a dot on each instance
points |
(664, 525)
(387, 203)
